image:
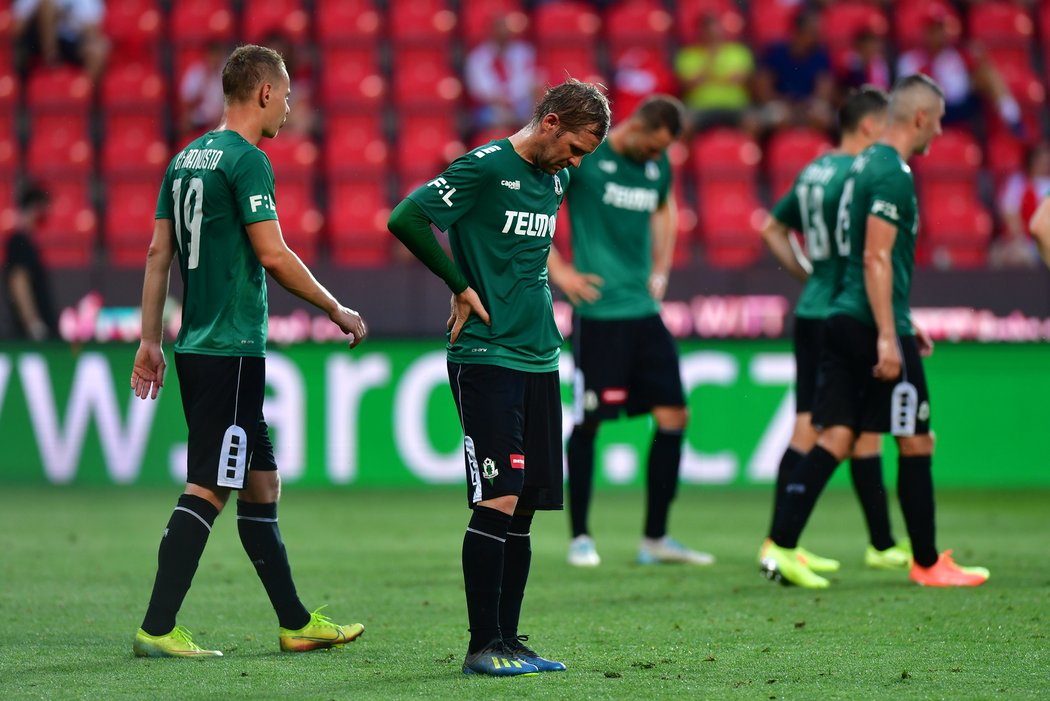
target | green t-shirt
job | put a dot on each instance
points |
(730, 59)
(611, 201)
(212, 190)
(881, 185)
(501, 213)
(814, 207)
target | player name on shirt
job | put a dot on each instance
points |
(636, 199)
(819, 173)
(199, 159)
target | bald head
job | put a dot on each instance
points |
(913, 94)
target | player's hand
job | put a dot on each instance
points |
(888, 367)
(147, 377)
(350, 323)
(925, 342)
(658, 286)
(581, 287)
(464, 304)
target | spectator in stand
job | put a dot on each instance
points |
(866, 62)
(965, 76)
(637, 74)
(26, 280)
(61, 31)
(1018, 200)
(795, 83)
(501, 78)
(714, 74)
(201, 92)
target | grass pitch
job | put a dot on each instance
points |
(76, 567)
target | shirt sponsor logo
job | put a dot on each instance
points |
(444, 189)
(511, 184)
(264, 201)
(635, 199)
(652, 171)
(529, 224)
(887, 208)
(607, 166)
(517, 462)
(614, 395)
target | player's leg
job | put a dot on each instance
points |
(490, 401)
(541, 490)
(883, 552)
(208, 388)
(655, 386)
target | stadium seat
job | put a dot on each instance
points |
(7, 24)
(196, 22)
(957, 231)
(1014, 64)
(134, 87)
(556, 63)
(135, 28)
(67, 237)
(301, 220)
(287, 17)
(842, 22)
(638, 72)
(59, 145)
(476, 18)
(730, 219)
(9, 88)
(357, 231)
(483, 137)
(910, 17)
(1006, 155)
(423, 79)
(61, 88)
(351, 78)
(10, 155)
(687, 223)
(426, 144)
(770, 21)
(955, 155)
(354, 145)
(343, 22)
(688, 14)
(569, 22)
(429, 22)
(637, 23)
(293, 156)
(128, 224)
(788, 151)
(725, 153)
(134, 147)
(1000, 23)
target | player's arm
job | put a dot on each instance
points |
(20, 287)
(664, 226)
(578, 287)
(147, 376)
(1040, 228)
(292, 274)
(878, 283)
(777, 236)
(410, 224)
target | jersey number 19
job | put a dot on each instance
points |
(189, 211)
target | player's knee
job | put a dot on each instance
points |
(804, 436)
(216, 497)
(868, 445)
(264, 487)
(507, 503)
(671, 418)
(921, 444)
(837, 440)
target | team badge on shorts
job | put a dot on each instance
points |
(488, 469)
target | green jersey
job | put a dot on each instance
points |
(880, 185)
(814, 206)
(212, 190)
(500, 213)
(611, 203)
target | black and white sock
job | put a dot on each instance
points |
(517, 559)
(261, 539)
(483, 553)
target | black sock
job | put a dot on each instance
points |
(483, 547)
(517, 557)
(800, 496)
(915, 491)
(871, 493)
(261, 538)
(788, 463)
(580, 455)
(665, 459)
(177, 558)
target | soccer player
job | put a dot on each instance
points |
(499, 204)
(1040, 228)
(811, 206)
(872, 376)
(623, 232)
(217, 212)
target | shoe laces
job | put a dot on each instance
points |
(517, 645)
(319, 619)
(182, 634)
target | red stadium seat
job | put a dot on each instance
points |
(687, 223)
(957, 231)
(351, 78)
(197, 22)
(1000, 23)
(59, 145)
(477, 17)
(9, 88)
(10, 157)
(7, 24)
(788, 151)
(688, 14)
(301, 220)
(135, 87)
(843, 21)
(134, 147)
(638, 23)
(293, 156)
(955, 155)
(1006, 155)
(357, 230)
(67, 237)
(770, 21)
(135, 28)
(426, 144)
(424, 79)
(128, 224)
(287, 17)
(421, 22)
(354, 146)
(911, 16)
(556, 63)
(722, 153)
(568, 22)
(493, 134)
(347, 22)
(60, 89)
(730, 219)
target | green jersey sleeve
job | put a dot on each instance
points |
(891, 194)
(786, 210)
(252, 184)
(452, 194)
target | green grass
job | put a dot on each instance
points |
(76, 567)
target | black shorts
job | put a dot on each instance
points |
(624, 365)
(809, 338)
(222, 398)
(512, 433)
(849, 395)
